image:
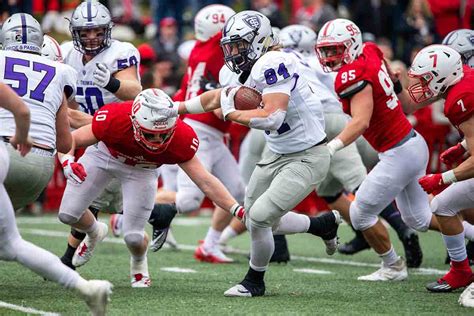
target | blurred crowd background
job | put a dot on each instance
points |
(162, 30)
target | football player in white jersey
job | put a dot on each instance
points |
(44, 86)
(297, 159)
(12, 247)
(347, 170)
(107, 72)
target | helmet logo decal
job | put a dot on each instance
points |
(253, 21)
(23, 29)
(296, 37)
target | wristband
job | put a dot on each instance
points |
(397, 87)
(449, 177)
(464, 144)
(65, 158)
(113, 85)
(194, 106)
(334, 145)
(237, 210)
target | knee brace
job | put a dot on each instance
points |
(360, 219)
(67, 218)
(188, 201)
(265, 213)
(440, 208)
(134, 239)
(77, 234)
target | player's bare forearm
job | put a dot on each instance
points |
(84, 137)
(466, 169)
(13, 103)
(208, 184)
(77, 119)
(128, 90)
(361, 112)
(63, 129)
(209, 100)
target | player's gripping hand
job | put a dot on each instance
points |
(433, 183)
(101, 75)
(227, 100)
(453, 155)
(73, 171)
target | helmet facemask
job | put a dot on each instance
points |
(420, 91)
(333, 56)
(154, 141)
(91, 46)
(238, 53)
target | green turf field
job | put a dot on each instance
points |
(334, 290)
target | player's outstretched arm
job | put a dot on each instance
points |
(13, 103)
(362, 106)
(77, 118)
(208, 184)
(63, 129)
(206, 102)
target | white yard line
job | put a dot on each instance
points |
(312, 271)
(53, 233)
(178, 270)
(27, 310)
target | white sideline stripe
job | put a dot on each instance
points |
(313, 271)
(27, 310)
(425, 271)
(178, 270)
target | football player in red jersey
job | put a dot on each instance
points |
(132, 143)
(368, 95)
(437, 73)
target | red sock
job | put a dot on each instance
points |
(460, 274)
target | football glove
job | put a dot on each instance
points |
(101, 75)
(433, 183)
(73, 171)
(453, 155)
(227, 100)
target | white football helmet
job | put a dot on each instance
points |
(88, 15)
(210, 20)
(462, 41)
(435, 68)
(339, 42)
(246, 36)
(21, 32)
(51, 49)
(300, 38)
(152, 134)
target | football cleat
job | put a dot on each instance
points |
(413, 252)
(467, 297)
(98, 296)
(158, 238)
(140, 280)
(395, 272)
(246, 289)
(215, 255)
(459, 276)
(86, 248)
(470, 252)
(115, 224)
(171, 241)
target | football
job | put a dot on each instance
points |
(247, 98)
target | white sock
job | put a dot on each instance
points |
(468, 231)
(262, 247)
(292, 223)
(456, 247)
(390, 257)
(93, 229)
(212, 238)
(227, 234)
(82, 286)
(139, 264)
